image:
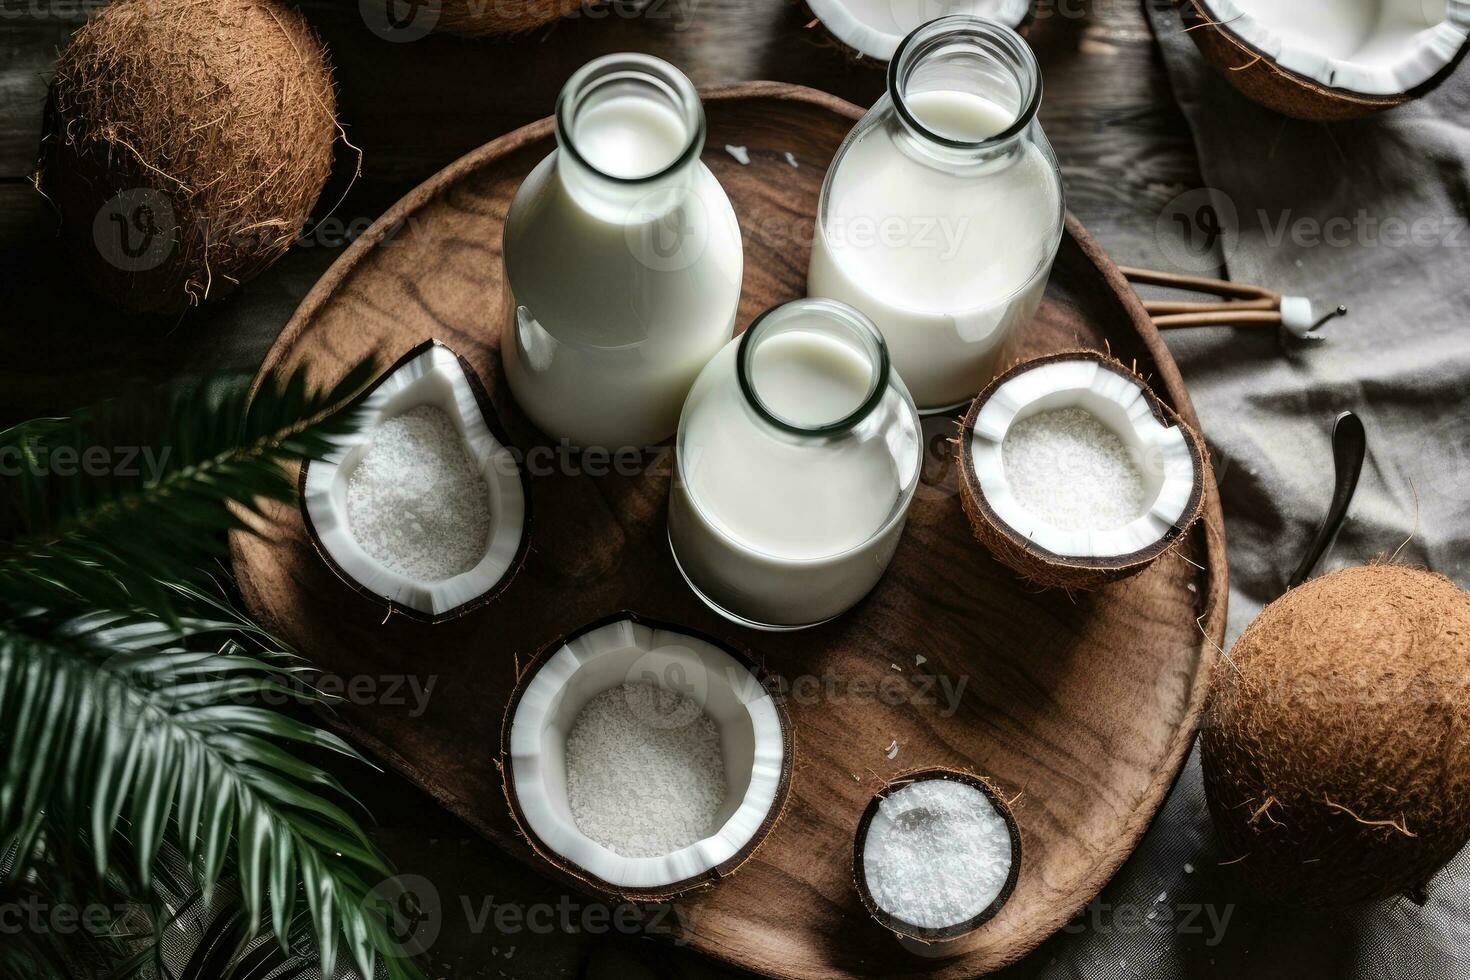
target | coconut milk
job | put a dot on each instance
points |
(623, 274)
(947, 260)
(781, 529)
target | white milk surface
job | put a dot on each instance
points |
(809, 378)
(946, 264)
(630, 136)
(621, 293)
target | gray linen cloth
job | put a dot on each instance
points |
(1372, 214)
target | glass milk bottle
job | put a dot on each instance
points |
(797, 457)
(943, 209)
(622, 259)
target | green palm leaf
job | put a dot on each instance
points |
(117, 535)
(131, 722)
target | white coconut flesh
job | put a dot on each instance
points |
(434, 378)
(751, 746)
(874, 27)
(1147, 465)
(1369, 47)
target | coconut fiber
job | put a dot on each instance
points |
(186, 144)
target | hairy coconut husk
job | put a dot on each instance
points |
(922, 934)
(1037, 564)
(1263, 80)
(1337, 752)
(187, 142)
(479, 18)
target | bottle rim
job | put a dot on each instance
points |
(832, 310)
(929, 37)
(656, 72)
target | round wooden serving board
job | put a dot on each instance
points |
(1081, 708)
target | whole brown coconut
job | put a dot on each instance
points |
(478, 18)
(187, 142)
(1337, 748)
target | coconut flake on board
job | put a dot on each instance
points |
(936, 854)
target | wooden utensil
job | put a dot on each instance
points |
(1246, 305)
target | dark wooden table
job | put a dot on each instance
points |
(414, 107)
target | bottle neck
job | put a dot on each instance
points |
(965, 90)
(628, 125)
(812, 368)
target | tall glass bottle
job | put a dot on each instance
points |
(622, 259)
(943, 209)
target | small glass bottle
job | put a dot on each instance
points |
(943, 209)
(622, 259)
(797, 458)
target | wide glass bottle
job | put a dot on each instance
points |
(943, 209)
(622, 259)
(797, 458)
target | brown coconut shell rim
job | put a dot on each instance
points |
(580, 874)
(1166, 416)
(492, 422)
(1198, 18)
(943, 933)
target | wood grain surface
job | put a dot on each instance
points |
(1081, 707)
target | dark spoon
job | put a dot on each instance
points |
(1349, 448)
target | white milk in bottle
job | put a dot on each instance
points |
(798, 455)
(942, 213)
(622, 258)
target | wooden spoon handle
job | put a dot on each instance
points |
(1199, 284)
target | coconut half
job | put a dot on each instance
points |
(1331, 59)
(871, 29)
(900, 815)
(433, 375)
(1167, 454)
(755, 745)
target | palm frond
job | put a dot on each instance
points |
(130, 741)
(113, 506)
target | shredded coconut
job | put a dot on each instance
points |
(740, 153)
(645, 776)
(416, 502)
(1072, 471)
(791, 159)
(936, 854)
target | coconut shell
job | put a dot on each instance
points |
(1040, 565)
(586, 879)
(187, 142)
(481, 18)
(1337, 743)
(1263, 80)
(823, 37)
(943, 934)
